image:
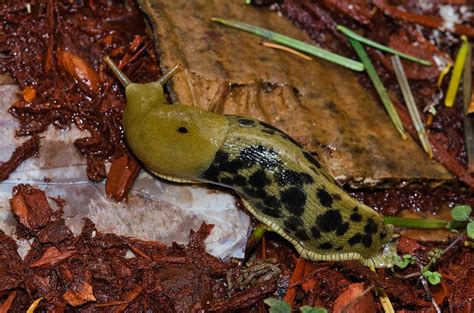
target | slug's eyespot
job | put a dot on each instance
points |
(182, 130)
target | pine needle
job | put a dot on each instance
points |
(283, 48)
(412, 108)
(382, 92)
(293, 43)
(351, 34)
(457, 72)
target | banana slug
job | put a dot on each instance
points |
(280, 183)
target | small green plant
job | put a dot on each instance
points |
(281, 306)
(404, 261)
(433, 277)
(277, 306)
(310, 309)
(461, 215)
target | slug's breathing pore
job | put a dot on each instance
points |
(279, 182)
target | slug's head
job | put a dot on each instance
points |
(176, 141)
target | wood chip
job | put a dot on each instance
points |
(353, 300)
(51, 257)
(8, 302)
(30, 207)
(122, 174)
(79, 295)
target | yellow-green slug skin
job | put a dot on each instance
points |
(279, 182)
(287, 189)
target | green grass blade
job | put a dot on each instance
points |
(351, 34)
(293, 43)
(410, 101)
(382, 92)
(415, 223)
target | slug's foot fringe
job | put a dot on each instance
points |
(385, 259)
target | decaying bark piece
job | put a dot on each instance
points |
(28, 149)
(320, 104)
(30, 207)
(122, 174)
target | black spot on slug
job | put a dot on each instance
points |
(329, 221)
(290, 177)
(221, 157)
(301, 235)
(293, 223)
(211, 174)
(312, 159)
(371, 227)
(356, 217)
(315, 232)
(271, 201)
(246, 122)
(294, 199)
(240, 180)
(270, 211)
(259, 179)
(355, 239)
(383, 234)
(342, 229)
(325, 198)
(231, 167)
(339, 248)
(367, 241)
(255, 193)
(226, 181)
(336, 197)
(182, 130)
(325, 246)
(259, 155)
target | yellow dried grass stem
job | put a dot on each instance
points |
(286, 49)
(457, 72)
